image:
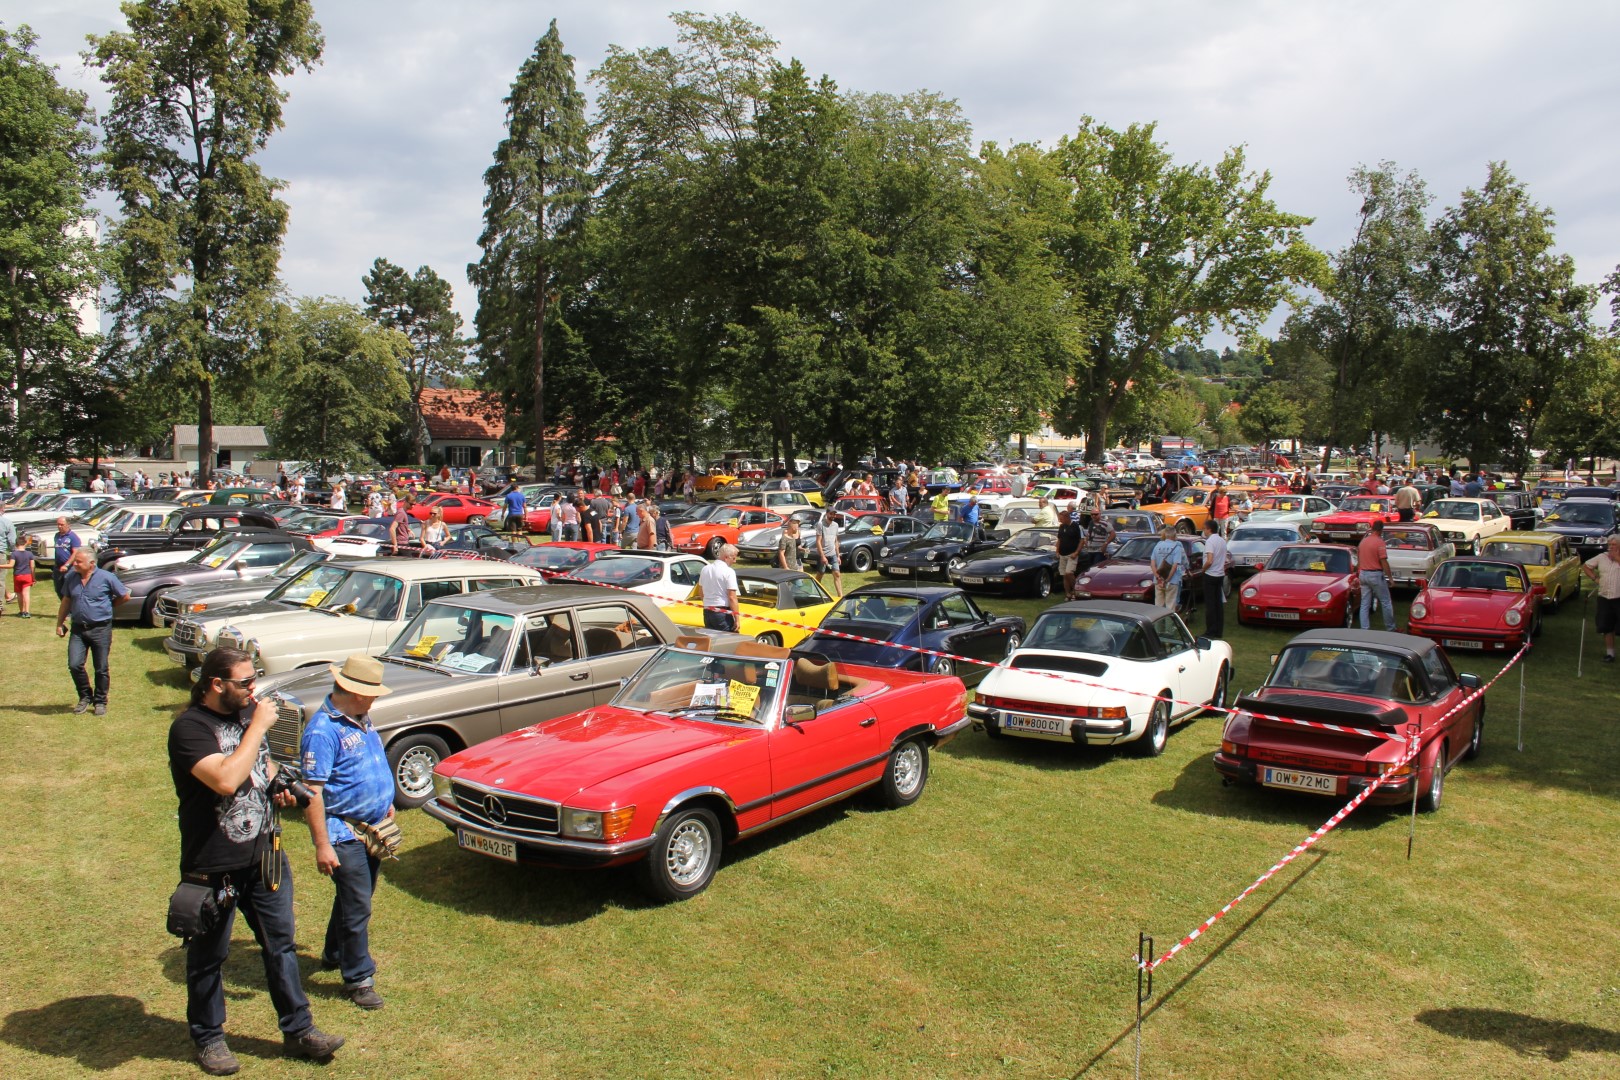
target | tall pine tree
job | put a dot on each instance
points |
(538, 193)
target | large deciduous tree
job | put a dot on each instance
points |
(1156, 253)
(537, 196)
(342, 383)
(422, 307)
(1512, 327)
(194, 97)
(48, 269)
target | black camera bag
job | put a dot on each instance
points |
(193, 909)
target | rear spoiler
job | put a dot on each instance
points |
(1304, 707)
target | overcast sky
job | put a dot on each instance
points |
(386, 142)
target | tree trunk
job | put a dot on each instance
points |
(205, 431)
(1097, 429)
(19, 465)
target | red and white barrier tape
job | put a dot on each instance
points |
(1304, 845)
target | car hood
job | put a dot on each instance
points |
(410, 690)
(1256, 547)
(256, 611)
(555, 759)
(1568, 528)
(1294, 584)
(917, 551)
(1113, 572)
(1469, 607)
(1352, 517)
(1281, 516)
(171, 570)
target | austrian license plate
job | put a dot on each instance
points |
(1300, 781)
(972, 580)
(1459, 643)
(1042, 725)
(487, 845)
(1292, 616)
(897, 571)
(178, 657)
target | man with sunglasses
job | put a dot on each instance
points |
(222, 772)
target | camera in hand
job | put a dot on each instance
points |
(290, 779)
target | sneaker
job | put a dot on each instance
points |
(216, 1059)
(1608, 658)
(80, 707)
(101, 710)
(364, 996)
(313, 1043)
(25, 615)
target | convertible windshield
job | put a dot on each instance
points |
(1033, 540)
(1100, 635)
(949, 530)
(1192, 496)
(1313, 558)
(1523, 554)
(1578, 513)
(551, 557)
(887, 608)
(1133, 523)
(298, 564)
(1454, 509)
(627, 571)
(219, 554)
(456, 637)
(699, 686)
(1264, 534)
(1346, 670)
(1475, 575)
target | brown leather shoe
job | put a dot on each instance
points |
(314, 1044)
(216, 1059)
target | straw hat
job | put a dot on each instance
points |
(360, 675)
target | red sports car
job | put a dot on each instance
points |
(860, 505)
(1485, 604)
(1128, 575)
(1354, 517)
(458, 509)
(562, 556)
(1370, 680)
(705, 537)
(1302, 585)
(699, 748)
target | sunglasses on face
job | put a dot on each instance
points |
(245, 684)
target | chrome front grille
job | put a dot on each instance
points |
(188, 633)
(167, 607)
(505, 812)
(285, 733)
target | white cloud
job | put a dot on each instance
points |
(387, 141)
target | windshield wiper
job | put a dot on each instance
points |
(720, 712)
(411, 661)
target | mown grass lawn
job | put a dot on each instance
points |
(987, 931)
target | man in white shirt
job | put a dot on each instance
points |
(827, 553)
(718, 583)
(98, 485)
(1215, 562)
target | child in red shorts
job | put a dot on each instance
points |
(22, 578)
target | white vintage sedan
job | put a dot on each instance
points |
(666, 576)
(1104, 672)
(1415, 549)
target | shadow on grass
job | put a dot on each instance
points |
(1031, 753)
(105, 1031)
(1164, 999)
(243, 972)
(149, 644)
(1199, 790)
(1528, 1036)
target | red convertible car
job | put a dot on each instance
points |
(458, 509)
(1354, 517)
(1303, 584)
(697, 750)
(1484, 604)
(1367, 679)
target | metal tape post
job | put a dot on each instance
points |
(1144, 989)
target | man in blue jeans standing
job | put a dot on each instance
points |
(88, 597)
(348, 773)
(1373, 557)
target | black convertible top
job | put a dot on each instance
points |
(1409, 644)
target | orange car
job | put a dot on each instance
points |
(720, 526)
(1190, 507)
(714, 480)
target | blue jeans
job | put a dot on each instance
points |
(1375, 592)
(348, 934)
(92, 642)
(270, 916)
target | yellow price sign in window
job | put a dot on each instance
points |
(314, 599)
(742, 697)
(422, 647)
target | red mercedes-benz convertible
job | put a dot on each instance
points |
(697, 750)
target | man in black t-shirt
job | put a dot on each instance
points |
(222, 771)
(1068, 550)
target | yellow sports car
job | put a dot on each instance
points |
(786, 596)
(1546, 557)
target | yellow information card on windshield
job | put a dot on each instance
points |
(743, 697)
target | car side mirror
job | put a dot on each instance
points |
(798, 714)
(1202, 642)
(1470, 681)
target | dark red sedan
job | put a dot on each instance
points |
(1354, 517)
(1303, 585)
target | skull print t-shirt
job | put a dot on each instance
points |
(217, 832)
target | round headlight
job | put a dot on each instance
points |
(883, 552)
(1145, 583)
(1085, 580)
(1323, 597)
(1420, 610)
(1513, 618)
(956, 564)
(1250, 593)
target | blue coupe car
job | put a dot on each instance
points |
(937, 617)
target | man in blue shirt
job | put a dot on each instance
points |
(88, 597)
(348, 773)
(1169, 560)
(67, 542)
(515, 509)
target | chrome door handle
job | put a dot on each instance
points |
(869, 721)
(579, 676)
